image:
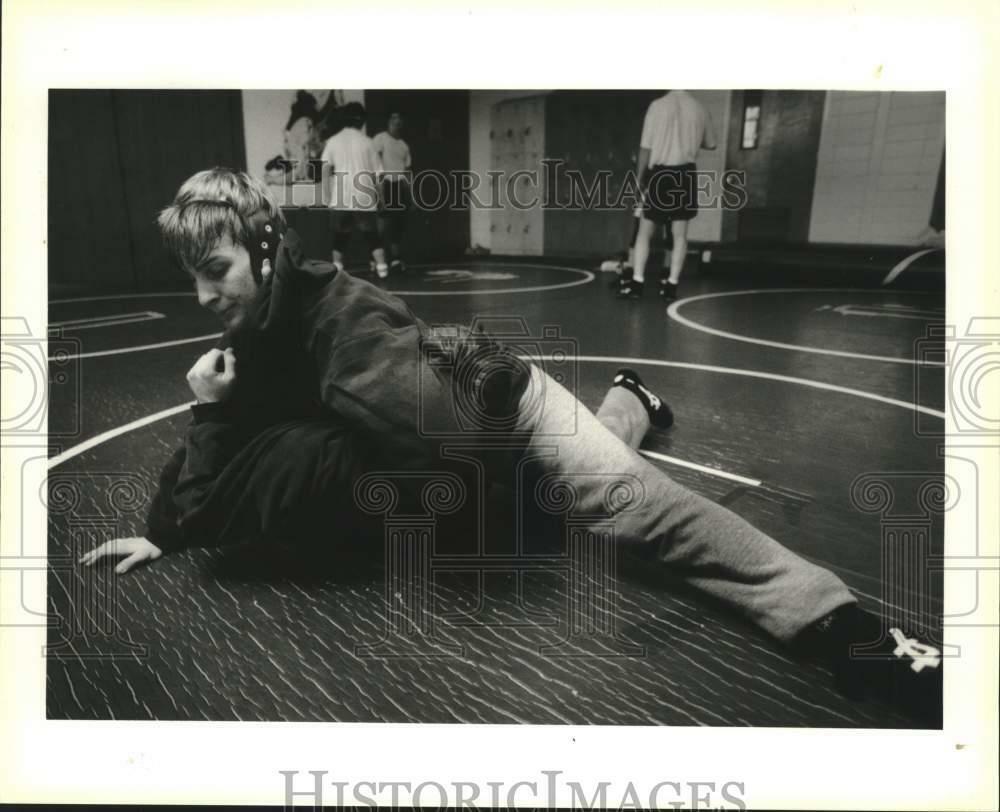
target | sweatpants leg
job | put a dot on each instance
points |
(703, 543)
(624, 416)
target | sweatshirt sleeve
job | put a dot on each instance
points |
(412, 389)
(161, 521)
(376, 383)
(189, 476)
(212, 441)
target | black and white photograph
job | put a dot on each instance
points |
(561, 459)
(596, 407)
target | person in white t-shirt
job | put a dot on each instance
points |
(394, 153)
(351, 172)
(676, 127)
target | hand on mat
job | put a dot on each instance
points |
(213, 375)
(138, 549)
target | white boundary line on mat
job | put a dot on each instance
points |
(673, 311)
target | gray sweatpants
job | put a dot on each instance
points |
(703, 543)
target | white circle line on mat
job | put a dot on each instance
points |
(905, 263)
(673, 313)
(750, 373)
(114, 297)
(587, 276)
(110, 434)
(140, 348)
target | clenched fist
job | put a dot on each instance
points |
(213, 375)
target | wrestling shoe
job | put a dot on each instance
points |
(381, 270)
(629, 288)
(668, 290)
(871, 661)
(660, 414)
(624, 272)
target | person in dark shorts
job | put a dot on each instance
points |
(622, 266)
(351, 172)
(394, 153)
(676, 127)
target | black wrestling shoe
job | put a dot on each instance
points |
(629, 289)
(624, 272)
(870, 661)
(660, 414)
(668, 290)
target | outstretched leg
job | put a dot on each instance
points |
(704, 543)
(723, 555)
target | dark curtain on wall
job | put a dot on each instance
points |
(436, 127)
(116, 157)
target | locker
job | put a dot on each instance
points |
(518, 144)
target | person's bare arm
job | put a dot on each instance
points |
(645, 142)
(641, 163)
(708, 139)
(326, 167)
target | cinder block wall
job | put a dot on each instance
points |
(707, 226)
(877, 167)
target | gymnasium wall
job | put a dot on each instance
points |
(779, 171)
(589, 130)
(707, 226)
(480, 156)
(265, 113)
(877, 167)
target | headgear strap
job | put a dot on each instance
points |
(264, 234)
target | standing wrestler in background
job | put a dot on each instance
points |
(676, 127)
(394, 154)
(351, 170)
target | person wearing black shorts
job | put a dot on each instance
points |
(676, 127)
(394, 153)
(351, 173)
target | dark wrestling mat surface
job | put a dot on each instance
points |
(271, 635)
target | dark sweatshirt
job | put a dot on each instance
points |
(335, 377)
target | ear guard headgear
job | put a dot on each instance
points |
(264, 234)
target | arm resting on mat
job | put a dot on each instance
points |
(193, 469)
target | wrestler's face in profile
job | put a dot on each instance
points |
(225, 282)
(395, 126)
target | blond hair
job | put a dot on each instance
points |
(211, 205)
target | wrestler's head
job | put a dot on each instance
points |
(395, 125)
(353, 115)
(214, 231)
